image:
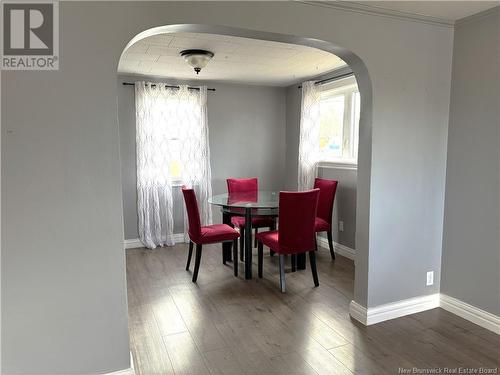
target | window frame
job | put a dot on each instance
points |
(348, 87)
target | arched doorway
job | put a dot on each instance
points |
(365, 124)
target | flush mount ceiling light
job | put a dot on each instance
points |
(197, 58)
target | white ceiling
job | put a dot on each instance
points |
(239, 60)
(446, 10)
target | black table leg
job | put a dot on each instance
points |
(301, 261)
(248, 243)
(226, 246)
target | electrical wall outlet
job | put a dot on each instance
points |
(430, 278)
(341, 226)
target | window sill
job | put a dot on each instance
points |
(338, 165)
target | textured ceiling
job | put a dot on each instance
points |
(239, 60)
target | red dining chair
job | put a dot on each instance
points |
(203, 235)
(323, 223)
(295, 234)
(247, 185)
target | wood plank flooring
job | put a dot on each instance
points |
(225, 325)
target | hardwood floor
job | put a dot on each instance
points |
(226, 325)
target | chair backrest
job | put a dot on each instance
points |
(297, 215)
(193, 213)
(327, 190)
(242, 185)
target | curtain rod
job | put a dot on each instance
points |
(331, 79)
(167, 86)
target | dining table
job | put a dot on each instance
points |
(248, 204)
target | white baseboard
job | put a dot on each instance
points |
(393, 310)
(322, 242)
(132, 243)
(471, 313)
(358, 312)
(135, 243)
(340, 249)
(127, 371)
(179, 237)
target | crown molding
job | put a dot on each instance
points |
(477, 16)
(352, 6)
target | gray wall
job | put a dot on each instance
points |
(345, 200)
(63, 265)
(344, 208)
(293, 104)
(471, 244)
(246, 135)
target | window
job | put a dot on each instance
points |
(173, 130)
(171, 148)
(339, 121)
(175, 167)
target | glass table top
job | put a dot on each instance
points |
(258, 199)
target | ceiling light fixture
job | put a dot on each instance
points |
(197, 58)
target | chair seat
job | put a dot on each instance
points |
(271, 240)
(216, 233)
(257, 222)
(321, 225)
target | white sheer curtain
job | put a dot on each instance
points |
(172, 149)
(309, 154)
